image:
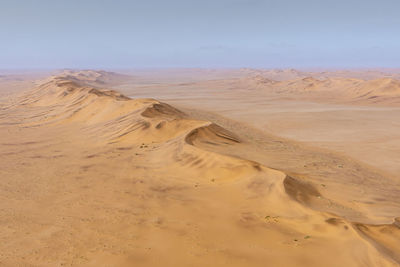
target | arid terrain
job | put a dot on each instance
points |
(197, 167)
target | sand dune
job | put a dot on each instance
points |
(92, 177)
(381, 87)
(322, 74)
(338, 90)
(95, 78)
(344, 88)
(306, 86)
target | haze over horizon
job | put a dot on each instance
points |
(217, 34)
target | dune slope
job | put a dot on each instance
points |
(91, 177)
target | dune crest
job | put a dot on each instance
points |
(379, 91)
(137, 181)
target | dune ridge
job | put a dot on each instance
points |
(249, 213)
(346, 90)
(381, 91)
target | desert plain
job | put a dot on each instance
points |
(200, 167)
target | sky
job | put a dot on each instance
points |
(44, 34)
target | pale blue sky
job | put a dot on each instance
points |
(201, 33)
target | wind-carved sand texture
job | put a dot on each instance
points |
(91, 177)
(353, 112)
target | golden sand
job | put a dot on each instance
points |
(91, 177)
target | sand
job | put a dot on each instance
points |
(330, 116)
(97, 171)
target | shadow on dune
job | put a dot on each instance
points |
(113, 117)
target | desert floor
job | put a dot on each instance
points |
(193, 167)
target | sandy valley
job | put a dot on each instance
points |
(200, 168)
